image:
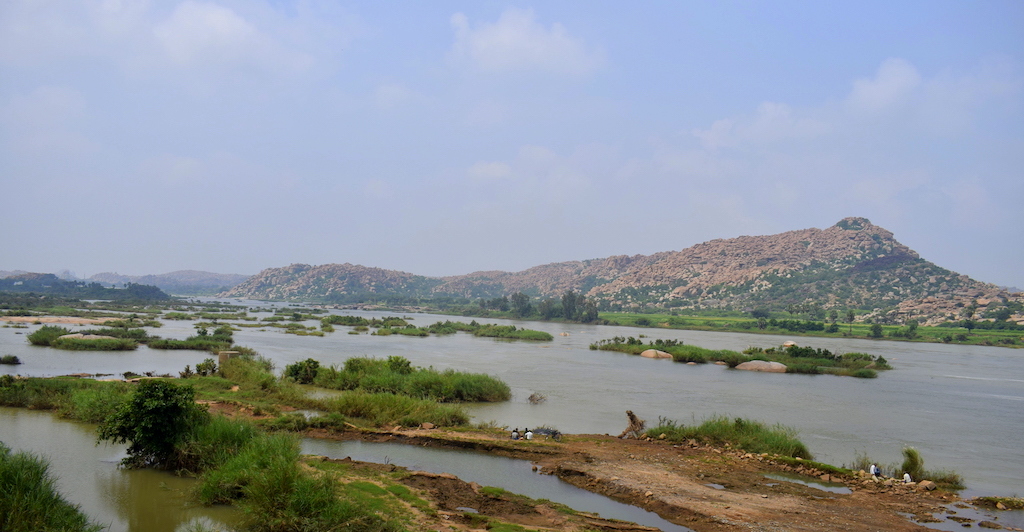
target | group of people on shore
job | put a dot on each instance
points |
(526, 435)
(876, 472)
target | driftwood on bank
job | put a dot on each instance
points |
(636, 426)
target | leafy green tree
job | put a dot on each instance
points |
(833, 315)
(849, 319)
(969, 311)
(569, 309)
(157, 416)
(547, 309)
(521, 306)
(876, 330)
(911, 331)
(589, 314)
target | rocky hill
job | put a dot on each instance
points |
(182, 282)
(853, 264)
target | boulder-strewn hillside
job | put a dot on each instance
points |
(182, 282)
(853, 264)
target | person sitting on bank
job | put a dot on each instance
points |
(515, 433)
(528, 434)
(906, 478)
(875, 472)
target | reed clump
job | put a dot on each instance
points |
(396, 375)
(751, 436)
(30, 500)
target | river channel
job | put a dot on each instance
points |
(962, 407)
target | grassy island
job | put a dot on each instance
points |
(796, 359)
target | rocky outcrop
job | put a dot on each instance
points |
(654, 353)
(853, 264)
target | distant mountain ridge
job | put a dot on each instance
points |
(181, 282)
(852, 264)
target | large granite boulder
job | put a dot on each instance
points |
(654, 353)
(763, 365)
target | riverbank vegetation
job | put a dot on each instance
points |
(797, 359)
(397, 376)
(29, 501)
(750, 436)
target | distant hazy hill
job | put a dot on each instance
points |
(853, 264)
(183, 282)
(50, 285)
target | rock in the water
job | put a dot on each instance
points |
(763, 365)
(654, 353)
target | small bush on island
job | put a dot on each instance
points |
(46, 334)
(751, 436)
(10, 360)
(203, 340)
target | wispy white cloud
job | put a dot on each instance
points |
(893, 85)
(518, 42)
(208, 34)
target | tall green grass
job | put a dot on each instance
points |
(913, 463)
(265, 480)
(395, 375)
(29, 501)
(389, 409)
(79, 399)
(751, 436)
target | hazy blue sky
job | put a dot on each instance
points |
(447, 137)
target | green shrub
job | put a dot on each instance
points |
(10, 359)
(47, 334)
(303, 372)
(912, 463)
(158, 416)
